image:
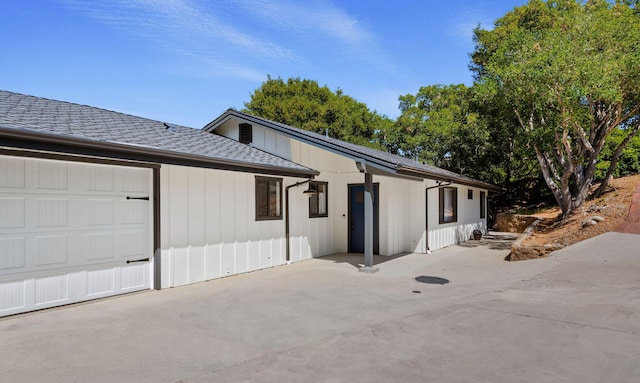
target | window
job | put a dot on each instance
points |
(318, 202)
(483, 205)
(448, 205)
(245, 135)
(268, 198)
(469, 194)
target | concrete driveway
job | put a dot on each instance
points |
(573, 317)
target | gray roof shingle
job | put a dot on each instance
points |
(34, 115)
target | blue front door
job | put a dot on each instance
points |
(356, 219)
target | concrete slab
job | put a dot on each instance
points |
(574, 316)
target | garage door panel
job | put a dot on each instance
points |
(101, 282)
(133, 245)
(51, 175)
(52, 212)
(99, 212)
(101, 246)
(52, 289)
(12, 173)
(12, 213)
(100, 179)
(131, 180)
(12, 296)
(52, 250)
(13, 250)
(67, 231)
(133, 277)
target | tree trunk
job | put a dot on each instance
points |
(614, 161)
(561, 193)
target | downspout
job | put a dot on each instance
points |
(286, 216)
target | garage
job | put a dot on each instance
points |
(72, 231)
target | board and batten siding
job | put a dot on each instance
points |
(443, 235)
(400, 228)
(402, 220)
(209, 230)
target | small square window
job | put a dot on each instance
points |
(469, 194)
(268, 198)
(483, 205)
(318, 202)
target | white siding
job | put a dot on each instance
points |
(402, 207)
(264, 139)
(442, 235)
(209, 229)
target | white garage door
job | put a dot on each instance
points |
(72, 231)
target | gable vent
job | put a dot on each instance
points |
(246, 134)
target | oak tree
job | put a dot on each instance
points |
(570, 73)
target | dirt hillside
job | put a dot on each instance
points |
(612, 207)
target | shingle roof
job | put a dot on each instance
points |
(393, 163)
(21, 115)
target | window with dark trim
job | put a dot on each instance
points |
(469, 193)
(245, 134)
(268, 198)
(483, 205)
(448, 201)
(318, 202)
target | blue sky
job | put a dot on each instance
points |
(187, 61)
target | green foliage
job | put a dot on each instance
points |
(306, 105)
(450, 126)
(629, 160)
(438, 126)
(570, 72)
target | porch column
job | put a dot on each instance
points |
(368, 220)
(368, 224)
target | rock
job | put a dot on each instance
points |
(549, 247)
(521, 253)
(597, 218)
(589, 222)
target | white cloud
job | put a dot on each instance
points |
(184, 27)
(242, 38)
(309, 17)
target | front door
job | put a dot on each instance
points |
(356, 219)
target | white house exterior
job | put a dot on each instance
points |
(409, 210)
(95, 203)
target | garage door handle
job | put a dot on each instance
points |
(138, 260)
(144, 198)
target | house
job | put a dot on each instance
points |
(413, 207)
(95, 203)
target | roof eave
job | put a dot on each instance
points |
(381, 164)
(61, 143)
(388, 167)
(403, 169)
